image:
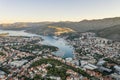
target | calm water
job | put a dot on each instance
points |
(64, 51)
(17, 33)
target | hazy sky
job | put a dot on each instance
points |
(57, 10)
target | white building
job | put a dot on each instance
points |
(18, 63)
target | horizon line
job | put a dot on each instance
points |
(57, 21)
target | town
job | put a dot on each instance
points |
(26, 58)
(97, 56)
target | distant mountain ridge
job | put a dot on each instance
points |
(82, 26)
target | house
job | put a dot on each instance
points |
(90, 66)
(117, 69)
(2, 75)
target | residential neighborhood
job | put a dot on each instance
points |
(26, 58)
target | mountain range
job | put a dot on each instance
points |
(107, 27)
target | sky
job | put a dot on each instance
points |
(57, 10)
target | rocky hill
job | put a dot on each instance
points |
(110, 33)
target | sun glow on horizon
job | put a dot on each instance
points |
(52, 20)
